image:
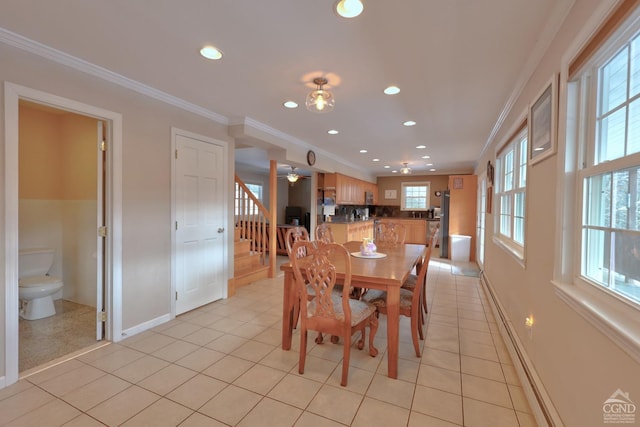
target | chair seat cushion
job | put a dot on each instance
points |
(379, 298)
(360, 310)
(410, 283)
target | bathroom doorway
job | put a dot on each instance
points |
(61, 206)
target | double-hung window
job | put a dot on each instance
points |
(609, 173)
(415, 196)
(511, 192)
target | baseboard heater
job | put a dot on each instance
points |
(540, 402)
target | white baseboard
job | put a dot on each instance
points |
(145, 326)
(541, 405)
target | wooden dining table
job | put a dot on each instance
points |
(386, 273)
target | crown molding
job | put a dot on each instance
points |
(16, 40)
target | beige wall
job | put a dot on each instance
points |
(580, 367)
(438, 183)
(146, 213)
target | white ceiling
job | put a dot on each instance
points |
(457, 63)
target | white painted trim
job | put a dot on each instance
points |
(128, 333)
(225, 196)
(556, 19)
(539, 400)
(36, 48)
(12, 94)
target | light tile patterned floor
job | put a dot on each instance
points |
(222, 365)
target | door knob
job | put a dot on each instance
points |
(220, 230)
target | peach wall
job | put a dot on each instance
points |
(438, 183)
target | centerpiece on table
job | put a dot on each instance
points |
(368, 248)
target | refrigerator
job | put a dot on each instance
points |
(444, 224)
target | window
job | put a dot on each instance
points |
(609, 173)
(415, 196)
(511, 191)
(481, 217)
(241, 205)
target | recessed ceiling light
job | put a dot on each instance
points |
(349, 8)
(426, 157)
(394, 171)
(211, 52)
(429, 164)
(420, 147)
(363, 151)
(387, 166)
(432, 170)
(332, 132)
(392, 90)
(409, 123)
(291, 104)
(375, 160)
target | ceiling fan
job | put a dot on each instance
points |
(292, 176)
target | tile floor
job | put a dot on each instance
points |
(222, 365)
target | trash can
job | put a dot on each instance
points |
(460, 247)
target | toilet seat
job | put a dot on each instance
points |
(35, 281)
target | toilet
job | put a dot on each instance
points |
(35, 286)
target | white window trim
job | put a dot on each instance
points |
(614, 316)
(403, 185)
(519, 253)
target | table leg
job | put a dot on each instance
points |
(287, 310)
(393, 329)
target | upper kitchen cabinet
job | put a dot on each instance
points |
(348, 190)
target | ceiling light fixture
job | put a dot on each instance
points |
(211, 52)
(333, 132)
(409, 123)
(349, 8)
(392, 90)
(405, 169)
(291, 104)
(320, 100)
(292, 177)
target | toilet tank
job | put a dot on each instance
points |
(34, 261)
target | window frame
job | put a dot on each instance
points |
(403, 196)
(616, 317)
(512, 144)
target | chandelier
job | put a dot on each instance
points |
(405, 169)
(320, 100)
(293, 176)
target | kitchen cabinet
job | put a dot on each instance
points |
(348, 231)
(348, 190)
(415, 229)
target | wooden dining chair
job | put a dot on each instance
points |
(293, 235)
(323, 233)
(328, 311)
(410, 303)
(389, 233)
(411, 281)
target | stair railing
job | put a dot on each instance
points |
(252, 219)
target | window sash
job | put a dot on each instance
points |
(415, 196)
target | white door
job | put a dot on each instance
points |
(200, 221)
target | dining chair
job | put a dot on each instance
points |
(410, 303)
(412, 280)
(323, 233)
(328, 311)
(293, 235)
(389, 233)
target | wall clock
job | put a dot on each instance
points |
(311, 158)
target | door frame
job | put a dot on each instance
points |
(113, 253)
(225, 196)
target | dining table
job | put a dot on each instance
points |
(387, 271)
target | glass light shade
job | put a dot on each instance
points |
(292, 177)
(320, 101)
(405, 170)
(349, 8)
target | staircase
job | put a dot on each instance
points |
(252, 258)
(248, 264)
